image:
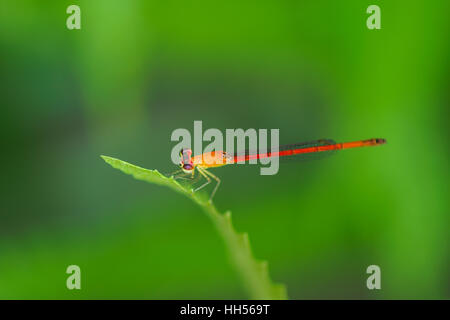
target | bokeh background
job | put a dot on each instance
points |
(137, 70)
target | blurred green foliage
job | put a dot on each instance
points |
(254, 273)
(137, 70)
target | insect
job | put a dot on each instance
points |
(297, 151)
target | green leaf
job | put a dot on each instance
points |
(254, 273)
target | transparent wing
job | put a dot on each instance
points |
(303, 151)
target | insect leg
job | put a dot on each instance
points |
(174, 173)
(217, 184)
(208, 180)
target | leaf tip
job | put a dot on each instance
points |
(106, 158)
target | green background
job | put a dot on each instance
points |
(137, 70)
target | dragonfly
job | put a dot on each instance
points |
(299, 151)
